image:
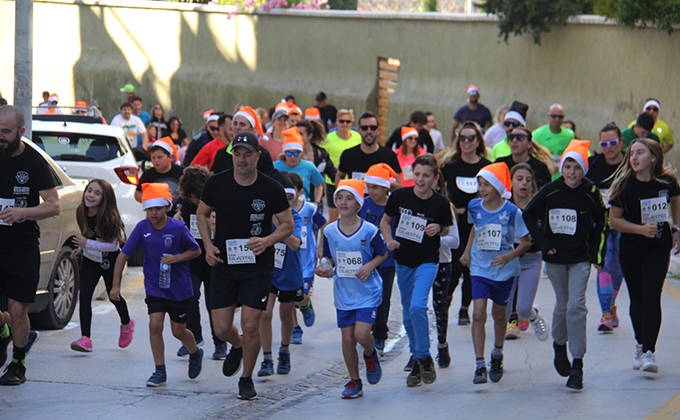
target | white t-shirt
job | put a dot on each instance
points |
(131, 127)
(494, 135)
(437, 139)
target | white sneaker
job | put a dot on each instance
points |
(637, 360)
(540, 326)
(649, 362)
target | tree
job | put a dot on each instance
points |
(641, 13)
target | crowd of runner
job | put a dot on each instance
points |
(485, 209)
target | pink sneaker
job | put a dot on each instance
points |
(126, 334)
(83, 344)
(523, 325)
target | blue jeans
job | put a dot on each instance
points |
(414, 286)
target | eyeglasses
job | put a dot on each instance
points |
(296, 154)
(344, 121)
(610, 143)
(469, 139)
(214, 128)
(369, 127)
(514, 124)
(556, 117)
(517, 137)
(652, 109)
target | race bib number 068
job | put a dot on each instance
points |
(349, 263)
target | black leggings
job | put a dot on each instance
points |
(90, 272)
(645, 272)
(441, 300)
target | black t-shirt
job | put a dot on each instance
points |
(599, 170)
(171, 178)
(354, 162)
(328, 113)
(199, 264)
(21, 180)
(541, 171)
(244, 212)
(435, 209)
(631, 203)
(224, 161)
(461, 184)
(424, 139)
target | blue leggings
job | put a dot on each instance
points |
(414, 286)
(610, 277)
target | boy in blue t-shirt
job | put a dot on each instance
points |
(493, 261)
(378, 180)
(167, 245)
(357, 250)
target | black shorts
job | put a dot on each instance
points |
(176, 309)
(286, 296)
(330, 190)
(20, 272)
(230, 287)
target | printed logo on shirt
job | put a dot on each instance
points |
(363, 243)
(256, 229)
(407, 212)
(256, 217)
(259, 205)
(22, 190)
(146, 235)
(105, 264)
(21, 202)
(22, 177)
(504, 218)
(167, 240)
(479, 216)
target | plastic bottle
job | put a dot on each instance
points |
(325, 264)
(164, 275)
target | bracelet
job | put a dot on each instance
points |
(675, 229)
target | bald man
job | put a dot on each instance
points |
(553, 136)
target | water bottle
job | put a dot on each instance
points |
(325, 264)
(164, 275)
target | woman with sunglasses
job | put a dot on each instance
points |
(524, 150)
(460, 167)
(609, 279)
(274, 141)
(290, 161)
(407, 153)
(174, 131)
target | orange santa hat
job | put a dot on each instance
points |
(498, 175)
(167, 144)
(293, 140)
(577, 150)
(312, 113)
(253, 118)
(355, 186)
(294, 110)
(380, 174)
(155, 195)
(407, 132)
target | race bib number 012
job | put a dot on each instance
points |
(411, 228)
(239, 253)
(489, 237)
(654, 210)
(6, 203)
(279, 255)
(563, 221)
(349, 263)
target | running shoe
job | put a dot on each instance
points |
(443, 357)
(373, 369)
(283, 364)
(409, 364)
(157, 378)
(308, 314)
(414, 378)
(15, 374)
(220, 351)
(605, 324)
(195, 364)
(480, 376)
(561, 361)
(267, 368)
(379, 343)
(353, 389)
(427, 370)
(4, 342)
(540, 326)
(637, 360)
(575, 380)
(512, 333)
(615, 318)
(183, 351)
(463, 317)
(33, 337)
(523, 324)
(83, 344)
(246, 389)
(232, 362)
(126, 334)
(649, 362)
(297, 336)
(496, 368)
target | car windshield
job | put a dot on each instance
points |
(78, 147)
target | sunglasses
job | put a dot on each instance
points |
(514, 124)
(369, 127)
(296, 154)
(467, 139)
(217, 128)
(610, 143)
(517, 137)
(556, 117)
(344, 121)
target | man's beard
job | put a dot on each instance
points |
(7, 151)
(368, 141)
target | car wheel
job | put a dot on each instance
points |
(63, 291)
(136, 259)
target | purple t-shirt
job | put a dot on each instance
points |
(173, 239)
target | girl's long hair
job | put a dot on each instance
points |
(453, 155)
(109, 224)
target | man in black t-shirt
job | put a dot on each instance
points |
(327, 112)
(356, 160)
(417, 120)
(25, 177)
(246, 202)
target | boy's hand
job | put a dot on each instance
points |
(392, 245)
(323, 273)
(211, 255)
(115, 294)
(80, 241)
(257, 245)
(500, 260)
(364, 272)
(465, 259)
(77, 253)
(169, 259)
(553, 251)
(432, 229)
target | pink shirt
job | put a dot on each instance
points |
(273, 147)
(405, 162)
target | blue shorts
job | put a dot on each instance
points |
(309, 281)
(497, 291)
(349, 318)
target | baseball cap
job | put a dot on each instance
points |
(320, 96)
(280, 113)
(247, 140)
(128, 88)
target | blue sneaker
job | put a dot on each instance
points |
(308, 314)
(183, 351)
(158, 378)
(195, 365)
(33, 337)
(379, 343)
(353, 389)
(297, 336)
(373, 369)
(267, 368)
(283, 365)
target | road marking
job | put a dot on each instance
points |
(132, 288)
(389, 345)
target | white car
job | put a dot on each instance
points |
(93, 150)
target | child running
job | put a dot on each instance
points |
(353, 251)
(568, 221)
(101, 228)
(167, 245)
(493, 262)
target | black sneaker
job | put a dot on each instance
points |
(195, 364)
(4, 342)
(561, 362)
(575, 380)
(246, 389)
(443, 357)
(480, 376)
(232, 363)
(427, 370)
(414, 378)
(15, 374)
(409, 364)
(463, 317)
(496, 368)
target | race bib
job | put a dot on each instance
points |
(407, 172)
(467, 185)
(279, 255)
(359, 175)
(92, 255)
(193, 227)
(303, 237)
(563, 221)
(654, 210)
(239, 253)
(411, 228)
(6, 203)
(489, 237)
(348, 263)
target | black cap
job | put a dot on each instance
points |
(320, 96)
(519, 107)
(645, 121)
(247, 140)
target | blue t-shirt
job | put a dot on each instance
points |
(174, 238)
(481, 115)
(306, 170)
(356, 250)
(146, 119)
(373, 213)
(288, 273)
(495, 233)
(312, 220)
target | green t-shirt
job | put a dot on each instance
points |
(628, 135)
(662, 130)
(334, 145)
(554, 142)
(501, 149)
